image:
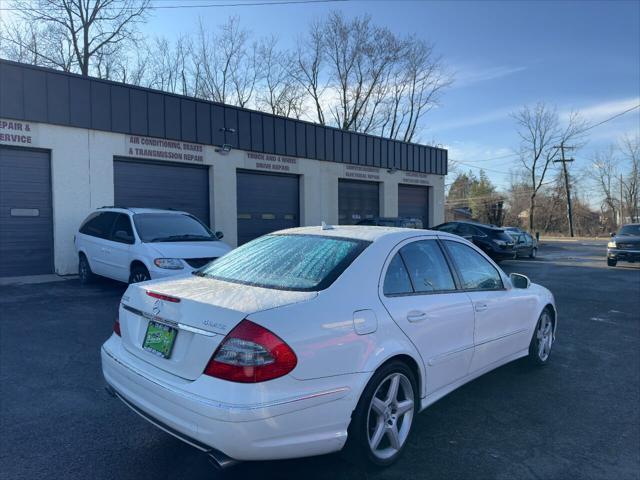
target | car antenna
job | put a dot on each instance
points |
(326, 226)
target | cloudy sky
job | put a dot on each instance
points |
(581, 55)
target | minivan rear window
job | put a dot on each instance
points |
(287, 262)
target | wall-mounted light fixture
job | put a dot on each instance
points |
(227, 130)
(225, 149)
(392, 170)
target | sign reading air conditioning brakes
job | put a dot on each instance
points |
(160, 149)
(271, 163)
(17, 133)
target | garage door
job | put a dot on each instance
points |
(162, 185)
(26, 224)
(357, 201)
(413, 201)
(266, 202)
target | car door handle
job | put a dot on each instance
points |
(481, 307)
(416, 316)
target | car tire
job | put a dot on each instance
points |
(534, 253)
(381, 423)
(139, 273)
(542, 339)
(85, 275)
(612, 262)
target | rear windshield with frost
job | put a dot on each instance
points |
(287, 262)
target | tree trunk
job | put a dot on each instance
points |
(532, 206)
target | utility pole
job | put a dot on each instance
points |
(564, 162)
(621, 203)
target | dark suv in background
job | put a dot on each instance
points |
(625, 245)
(494, 241)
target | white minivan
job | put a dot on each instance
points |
(138, 244)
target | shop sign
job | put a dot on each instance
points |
(158, 148)
(362, 173)
(273, 163)
(16, 133)
(416, 178)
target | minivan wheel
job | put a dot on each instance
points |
(139, 273)
(542, 340)
(85, 274)
(382, 420)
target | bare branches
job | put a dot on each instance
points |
(345, 72)
(540, 133)
(74, 32)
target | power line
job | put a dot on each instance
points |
(162, 7)
(609, 119)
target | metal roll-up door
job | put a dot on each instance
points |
(413, 201)
(357, 201)
(26, 214)
(266, 203)
(147, 184)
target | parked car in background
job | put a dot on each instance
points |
(524, 244)
(138, 244)
(403, 222)
(625, 245)
(492, 240)
(310, 340)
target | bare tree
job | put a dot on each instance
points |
(540, 132)
(278, 92)
(362, 77)
(170, 66)
(227, 64)
(417, 83)
(42, 45)
(310, 63)
(84, 27)
(603, 171)
(630, 150)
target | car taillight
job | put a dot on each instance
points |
(116, 327)
(250, 354)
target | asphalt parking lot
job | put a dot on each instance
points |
(578, 417)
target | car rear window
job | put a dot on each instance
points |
(287, 262)
(500, 235)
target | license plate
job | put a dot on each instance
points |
(159, 339)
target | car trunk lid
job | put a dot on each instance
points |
(201, 310)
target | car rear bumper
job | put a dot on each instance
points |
(626, 255)
(303, 425)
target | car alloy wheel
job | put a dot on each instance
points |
(534, 252)
(544, 337)
(139, 274)
(390, 416)
(85, 275)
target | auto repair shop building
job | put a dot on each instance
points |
(70, 144)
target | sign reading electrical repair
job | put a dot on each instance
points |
(156, 148)
(16, 133)
(362, 173)
(274, 163)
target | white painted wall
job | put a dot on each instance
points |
(82, 180)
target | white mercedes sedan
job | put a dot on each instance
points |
(311, 340)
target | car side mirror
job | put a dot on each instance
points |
(219, 235)
(613, 234)
(123, 236)
(519, 281)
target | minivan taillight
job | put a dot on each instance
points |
(250, 354)
(116, 327)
